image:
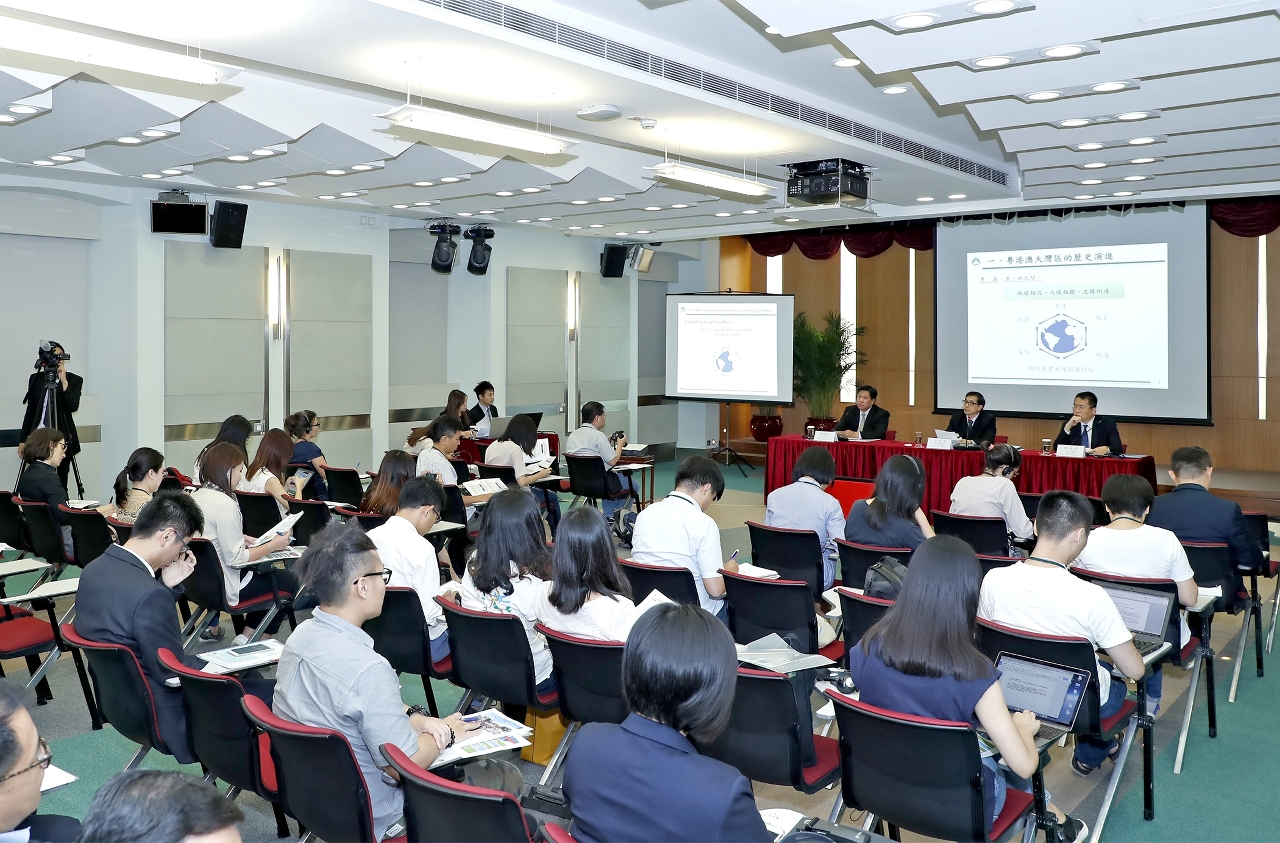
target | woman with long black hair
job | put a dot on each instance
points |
(892, 517)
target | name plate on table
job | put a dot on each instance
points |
(939, 444)
(1071, 451)
(825, 436)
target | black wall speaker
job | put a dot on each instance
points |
(226, 228)
(613, 259)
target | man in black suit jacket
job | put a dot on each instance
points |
(484, 403)
(120, 601)
(68, 388)
(974, 423)
(1099, 436)
(864, 420)
(22, 754)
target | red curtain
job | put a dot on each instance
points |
(865, 241)
(1247, 217)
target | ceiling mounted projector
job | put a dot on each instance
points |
(601, 113)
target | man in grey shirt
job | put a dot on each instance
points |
(330, 677)
(590, 440)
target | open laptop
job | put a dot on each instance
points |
(1052, 692)
(1145, 612)
(536, 418)
(498, 426)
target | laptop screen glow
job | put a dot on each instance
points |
(1141, 612)
(1051, 693)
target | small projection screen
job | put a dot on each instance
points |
(730, 347)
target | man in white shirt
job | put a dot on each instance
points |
(1041, 595)
(677, 532)
(403, 548)
(590, 440)
(446, 433)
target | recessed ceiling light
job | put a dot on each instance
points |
(1135, 178)
(724, 214)
(40, 162)
(23, 109)
(421, 204)
(349, 193)
(266, 184)
(642, 231)
(771, 30)
(328, 196)
(244, 187)
(750, 211)
(1133, 115)
(653, 208)
(63, 158)
(1107, 87)
(153, 133)
(1085, 147)
(7, 118)
(505, 193)
(545, 219)
(915, 20)
(449, 179)
(991, 7)
(237, 157)
(597, 225)
(1123, 193)
(1073, 123)
(894, 90)
(578, 202)
(847, 62)
(487, 212)
(523, 189)
(361, 167)
(1092, 181)
(956, 195)
(1044, 96)
(1142, 160)
(1083, 196)
(924, 198)
(464, 213)
(333, 172)
(1141, 141)
(621, 234)
(993, 61)
(1064, 51)
(262, 153)
(522, 220)
(172, 172)
(128, 139)
(423, 183)
(145, 175)
(606, 199)
(399, 207)
(680, 206)
(792, 219)
(575, 228)
(1096, 165)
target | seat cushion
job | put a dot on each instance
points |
(268, 768)
(828, 753)
(549, 700)
(833, 651)
(443, 667)
(1016, 803)
(564, 485)
(1189, 651)
(25, 636)
(1117, 720)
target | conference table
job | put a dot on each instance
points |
(1040, 472)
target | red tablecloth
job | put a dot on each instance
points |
(469, 449)
(942, 470)
(853, 459)
(1041, 472)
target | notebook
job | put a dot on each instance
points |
(1052, 692)
(1145, 612)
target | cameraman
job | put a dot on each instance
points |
(52, 357)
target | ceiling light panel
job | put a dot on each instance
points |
(438, 122)
(1068, 91)
(708, 178)
(995, 61)
(917, 20)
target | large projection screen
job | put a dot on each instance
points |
(1032, 310)
(730, 347)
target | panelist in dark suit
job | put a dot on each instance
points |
(1098, 435)
(643, 779)
(864, 420)
(974, 423)
(484, 410)
(1194, 514)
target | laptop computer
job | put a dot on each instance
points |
(498, 426)
(1145, 612)
(1052, 692)
(536, 418)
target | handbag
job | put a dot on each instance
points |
(884, 579)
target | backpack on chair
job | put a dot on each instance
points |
(884, 579)
(624, 526)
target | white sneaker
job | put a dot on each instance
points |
(239, 640)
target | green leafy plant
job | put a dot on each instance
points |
(823, 359)
(767, 409)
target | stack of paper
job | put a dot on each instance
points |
(485, 486)
(772, 653)
(756, 572)
(497, 733)
(285, 525)
(244, 656)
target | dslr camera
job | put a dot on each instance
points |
(617, 434)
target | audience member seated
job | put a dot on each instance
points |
(136, 483)
(160, 806)
(24, 756)
(511, 449)
(588, 596)
(236, 430)
(456, 408)
(303, 427)
(446, 433)
(590, 440)
(266, 474)
(920, 659)
(805, 505)
(44, 451)
(483, 412)
(892, 517)
(677, 532)
(120, 601)
(643, 779)
(973, 424)
(507, 569)
(992, 493)
(414, 563)
(1127, 547)
(223, 466)
(1194, 514)
(864, 420)
(330, 677)
(419, 439)
(1040, 594)
(1098, 435)
(383, 494)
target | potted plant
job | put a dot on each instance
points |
(766, 422)
(823, 358)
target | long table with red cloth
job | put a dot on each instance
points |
(943, 469)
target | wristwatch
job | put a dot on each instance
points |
(417, 709)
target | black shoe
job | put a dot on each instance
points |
(212, 633)
(1072, 830)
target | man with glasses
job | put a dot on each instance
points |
(330, 676)
(1098, 435)
(973, 424)
(24, 756)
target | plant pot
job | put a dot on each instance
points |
(765, 427)
(820, 424)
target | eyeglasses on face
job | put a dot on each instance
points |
(43, 760)
(972, 403)
(385, 573)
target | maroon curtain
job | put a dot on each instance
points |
(865, 241)
(1247, 217)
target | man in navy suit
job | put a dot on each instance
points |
(973, 423)
(1099, 436)
(865, 419)
(1194, 514)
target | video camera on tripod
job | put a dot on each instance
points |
(48, 358)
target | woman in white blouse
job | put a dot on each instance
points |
(992, 493)
(265, 474)
(221, 468)
(518, 442)
(588, 596)
(507, 571)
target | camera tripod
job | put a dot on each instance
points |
(52, 415)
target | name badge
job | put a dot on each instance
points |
(1071, 450)
(939, 444)
(825, 436)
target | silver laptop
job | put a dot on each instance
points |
(1145, 612)
(498, 426)
(1052, 692)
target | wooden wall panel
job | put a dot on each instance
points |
(816, 286)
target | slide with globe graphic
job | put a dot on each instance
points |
(727, 348)
(1087, 315)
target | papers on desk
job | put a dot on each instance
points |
(944, 434)
(54, 778)
(1207, 597)
(445, 526)
(484, 486)
(780, 821)
(497, 733)
(244, 657)
(82, 504)
(537, 465)
(772, 653)
(285, 525)
(833, 599)
(631, 466)
(634, 448)
(56, 588)
(756, 572)
(542, 449)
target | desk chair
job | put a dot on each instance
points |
(589, 678)
(763, 738)
(492, 659)
(89, 533)
(11, 526)
(676, 584)
(437, 810)
(994, 639)
(922, 775)
(588, 480)
(344, 485)
(227, 745)
(259, 511)
(122, 529)
(367, 520)
(1212, 565)
(1001, 440)
(987, 536)
(456, 511)
(857, 559)
(24, 636)
(990, 563)
(794, 554)
(204, 587)
(850, 490)
(891, 436)
(505, 473)
(461, 467)
(1100, 516)
(318, 777)
(1030, 504)
(400, 636)
(859, 613)
(315, 516)
(760, 607)
(44, 534)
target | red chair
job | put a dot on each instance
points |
(555, 834)
(849, 490)
(492, 659)
(122, 529)
(857, 559)
(23, 636)
(675, 583)
(891, 436)
(318, 777)
(1001, 440)
(589, 679)
(794, 554)
(761, 607)
(400, 636)
(229, 746)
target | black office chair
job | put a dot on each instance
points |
(205, 588)
(122, 529)
(505, 473)
(459, 540)
(11, 526)
(762, 607)
(794, 554)
(990, 563)
(344, 485)
(859, 613)
(589, 678)
(44, 533)
(676, 584)
(857, 559)
(588, 480)
(461, 467)
(90, 534)
(400, 636)
(1101, 517)
(1030, 503)
(315, 517)
(307, 492)
(987, 536)
(259, 511)
(492, 658)
(367, 520)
